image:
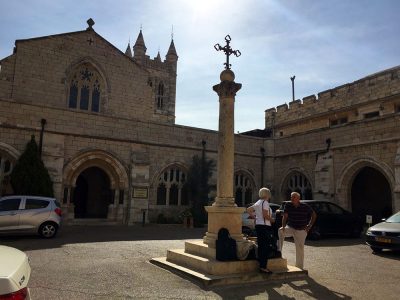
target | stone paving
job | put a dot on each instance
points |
(112, 262)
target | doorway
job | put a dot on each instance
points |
(92, 194)
(371, 195)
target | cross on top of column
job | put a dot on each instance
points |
(228, 51)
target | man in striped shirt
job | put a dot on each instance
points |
(298, 218)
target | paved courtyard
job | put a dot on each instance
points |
(112, 262)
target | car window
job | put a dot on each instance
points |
(335, 209)
(36, 203)
(394, 219)
(274, 207)
(320, 207)
(57, 203)
(10, 204)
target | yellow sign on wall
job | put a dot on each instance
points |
(140, 192)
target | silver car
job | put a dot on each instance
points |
(30, 214)
(385, 235)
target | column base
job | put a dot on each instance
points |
(223, 217)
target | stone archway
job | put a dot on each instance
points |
(362, 186)
(8, 158)
(95, 176)
(371, 194)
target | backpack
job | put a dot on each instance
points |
(225, 246)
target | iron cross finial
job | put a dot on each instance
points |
(228, 51)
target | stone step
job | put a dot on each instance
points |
(240, 278)
(215, 267)
(199, 248)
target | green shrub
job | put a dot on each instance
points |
(30, 176)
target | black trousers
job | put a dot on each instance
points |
(263, 233)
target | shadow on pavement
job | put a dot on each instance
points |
(280, 290)
(315, 290)
(335, 242)
(109, 233)
(388, 254)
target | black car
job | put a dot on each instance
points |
(331, 220)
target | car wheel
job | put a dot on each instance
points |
(48, 230)
(314, 233)
(375, 249)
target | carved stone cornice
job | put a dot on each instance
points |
(227, 88)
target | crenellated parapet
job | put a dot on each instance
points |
(376, 87)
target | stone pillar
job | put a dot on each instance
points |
(71, 205)
(116, 203)
(224, 212)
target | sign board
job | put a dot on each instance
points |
(140, 192)
(369, 219)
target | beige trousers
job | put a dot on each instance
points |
(299, 237)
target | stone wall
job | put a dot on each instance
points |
(43, 64)
(143, 148)
(367, 142)
(371, 90)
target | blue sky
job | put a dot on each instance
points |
(324, 43)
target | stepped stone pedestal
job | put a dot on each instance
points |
(197, 261)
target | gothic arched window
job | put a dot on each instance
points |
(6, 167)
(243, 189)
(160, 96)
(85, 87)
(298, 182)
(172, 189)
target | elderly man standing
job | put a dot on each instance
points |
(298, 218)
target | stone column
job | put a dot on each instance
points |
(71, 205)
(224, 212)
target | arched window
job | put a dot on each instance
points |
(6, 167)
(243, 189)
(297, 182)
(85, 87)
(172, 189)
(160, 96)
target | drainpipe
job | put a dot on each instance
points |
(43, 123)
(262, 150)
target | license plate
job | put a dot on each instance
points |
(383, 240)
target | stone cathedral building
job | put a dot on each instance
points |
(114, 152)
